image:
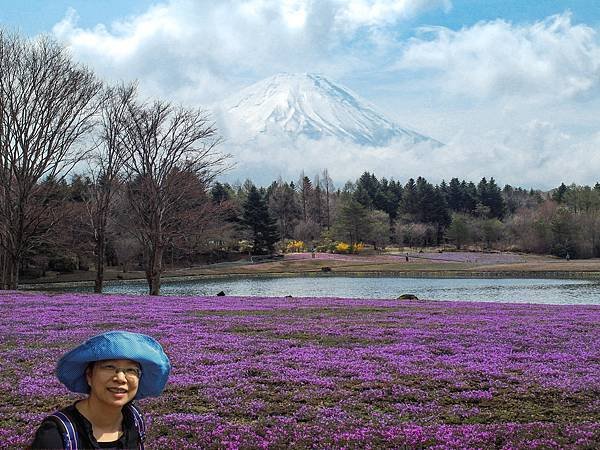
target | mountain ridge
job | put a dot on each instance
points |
(310, 105)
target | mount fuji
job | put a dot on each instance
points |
(309, 106)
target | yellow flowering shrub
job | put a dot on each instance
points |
(295, 247)
(342, 247)
(359, 247)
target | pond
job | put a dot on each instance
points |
(550, 291)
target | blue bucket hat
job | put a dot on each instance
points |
(137, 347)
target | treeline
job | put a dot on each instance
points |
(220, 221)
(381, 212)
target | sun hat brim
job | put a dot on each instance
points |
(143, 349)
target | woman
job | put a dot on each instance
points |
(113, 368)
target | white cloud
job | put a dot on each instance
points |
(550, 58)
(358, 13)
(536, 154)
(195, 51)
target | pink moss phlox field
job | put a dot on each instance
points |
(470, 257)
(444, 257)
(322, 372)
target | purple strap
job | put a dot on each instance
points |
(139, 424)
(70, 436)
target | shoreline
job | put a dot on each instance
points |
(466, 265)
(433, 274)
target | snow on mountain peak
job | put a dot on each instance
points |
(312, 106)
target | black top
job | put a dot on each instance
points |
(49, 435)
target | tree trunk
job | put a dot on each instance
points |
(100, 251)
(154, 269)
(5, 274)
(9, 269)
(3, 269)
(13, 272)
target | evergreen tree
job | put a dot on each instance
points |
(352, 223)
(490, 196)
(559, 193)
(455, 195)
(79, 189)
(369, 183)
(316, 211)
(361, 195)
(305, 189)
(387, 200)
(469, 199)
(439, 213)
(444, 190)
(482, 192)
(257, 220)
(410, 201)
(426, 201)
(381, 200)
(220, 193)
(283, 206)
(495, 200)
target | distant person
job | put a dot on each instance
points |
(406, 257)
(113, 368)
(568, 257)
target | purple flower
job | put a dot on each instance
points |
(324, 372)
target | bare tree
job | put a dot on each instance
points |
(47, 105)
(166, 148)
(106, 164)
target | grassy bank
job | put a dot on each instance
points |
(448, 265)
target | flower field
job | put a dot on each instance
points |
(324, 373)
(445, 257)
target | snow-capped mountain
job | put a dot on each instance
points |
(313, 107)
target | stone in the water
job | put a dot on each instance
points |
(220, 294)
(288, 296)
(326, 269)
(408, 297)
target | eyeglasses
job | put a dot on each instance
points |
(131, 373)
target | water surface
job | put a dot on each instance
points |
(486, 290)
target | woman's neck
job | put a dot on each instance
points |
(104, 418)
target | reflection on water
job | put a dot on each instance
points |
(486, 290)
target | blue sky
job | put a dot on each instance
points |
(512, 87)
(468, 12)
(39, 16)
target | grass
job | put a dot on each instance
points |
(531, 266)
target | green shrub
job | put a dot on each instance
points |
(63, 264)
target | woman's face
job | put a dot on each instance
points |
(114, 382)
